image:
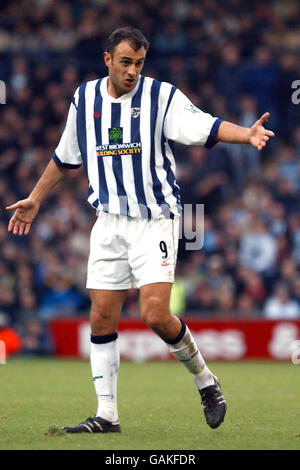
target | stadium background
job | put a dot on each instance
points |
(233, 60)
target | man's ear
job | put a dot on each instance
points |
(107, 59)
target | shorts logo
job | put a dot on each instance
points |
(115, 135)
(164, 263)
(135, 112)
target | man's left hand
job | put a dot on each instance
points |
(258, 135)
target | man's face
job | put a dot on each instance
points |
(124, 66)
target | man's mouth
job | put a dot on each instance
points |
(129, 81)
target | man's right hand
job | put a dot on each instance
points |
(25, 213)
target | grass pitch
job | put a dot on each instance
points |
(159, 406)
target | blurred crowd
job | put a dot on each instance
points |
(234, 61)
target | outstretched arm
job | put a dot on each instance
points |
(27, 209)
(256, 135)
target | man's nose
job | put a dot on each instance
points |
(132, 70)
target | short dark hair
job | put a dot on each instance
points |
(134, 36)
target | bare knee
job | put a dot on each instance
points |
(154, 313)
(105, 312)
(102, 323)
(100, 310)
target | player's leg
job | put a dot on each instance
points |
(155, 312)
(105, 313)
(105, 359)
(108, 279)
(153, 259)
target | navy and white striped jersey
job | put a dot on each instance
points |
(126, 145)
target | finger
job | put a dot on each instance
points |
(21, 228)
(12, 207)
(16, 227)
(270, 133)
(27, 228)
(11, 224)
(261, 145)
(263, 118)
(266, 138)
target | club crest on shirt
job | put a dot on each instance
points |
(135, 112)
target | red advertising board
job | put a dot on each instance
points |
(216, 339)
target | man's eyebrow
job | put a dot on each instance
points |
(130, 58)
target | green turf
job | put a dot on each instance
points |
(159, 406)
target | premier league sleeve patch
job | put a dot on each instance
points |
(190, 107)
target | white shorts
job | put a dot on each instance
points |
(128, 253)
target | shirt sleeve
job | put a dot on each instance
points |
(187, 124)
(67, 154)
